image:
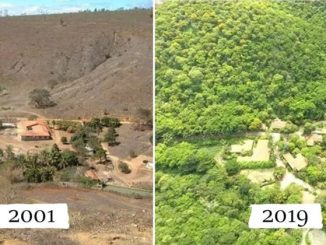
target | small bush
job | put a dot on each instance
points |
(64, 140)
(87, 182)
(132, 154)
(68, 174)
(279, 173)
(110, 137)
(124, 168)
(110, 122)
(289, 128)
(232, 167)
(69, 126)
(32, 117)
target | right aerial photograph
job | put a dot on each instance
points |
(240, 118)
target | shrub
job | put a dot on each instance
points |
(64, 140)
(111, 136)
(110, 122)
(69, 126)
(232, 167)
(87, 182)
(279, 173)
(132, 154)
(146, 115)
(308, 128)
(69, 158)
(124, 168)
(68, 174)
(289, 128)
(32, 117)
(94, 124)
(39, 174)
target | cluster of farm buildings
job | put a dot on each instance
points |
(30, 136)
(249, 151)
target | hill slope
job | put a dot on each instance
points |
(222, 68)
(90, 62)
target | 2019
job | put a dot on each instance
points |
(281, 216)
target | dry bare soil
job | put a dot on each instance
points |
(96, 217)
(90, 62)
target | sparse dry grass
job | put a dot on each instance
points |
(99, 62)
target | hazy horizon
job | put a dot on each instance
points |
(34, 7)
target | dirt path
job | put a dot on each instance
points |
(138, 175)
(79, 199)
(316, 237)
(289, 178)
(25, 113)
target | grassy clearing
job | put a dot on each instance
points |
(214, 146)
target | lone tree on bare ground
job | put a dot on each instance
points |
(41, 98)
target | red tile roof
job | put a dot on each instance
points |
(37, 128)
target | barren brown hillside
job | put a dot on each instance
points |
(90, 62)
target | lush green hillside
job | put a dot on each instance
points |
(224, 67)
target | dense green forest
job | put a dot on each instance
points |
(200, 202)
(224, 68)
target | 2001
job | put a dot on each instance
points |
(27, 216)
(282, 216)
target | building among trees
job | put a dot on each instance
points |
(296, 163)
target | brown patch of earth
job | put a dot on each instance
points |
(131, 140)
(98, 62)
(96, 217)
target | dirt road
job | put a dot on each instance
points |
(79, 199)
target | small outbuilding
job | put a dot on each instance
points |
(8, 125)
(278, 124)
(313, 139)
(296, 163)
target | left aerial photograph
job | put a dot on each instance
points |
(76, 117)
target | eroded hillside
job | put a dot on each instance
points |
(90, 62)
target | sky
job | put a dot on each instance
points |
(30, 7)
